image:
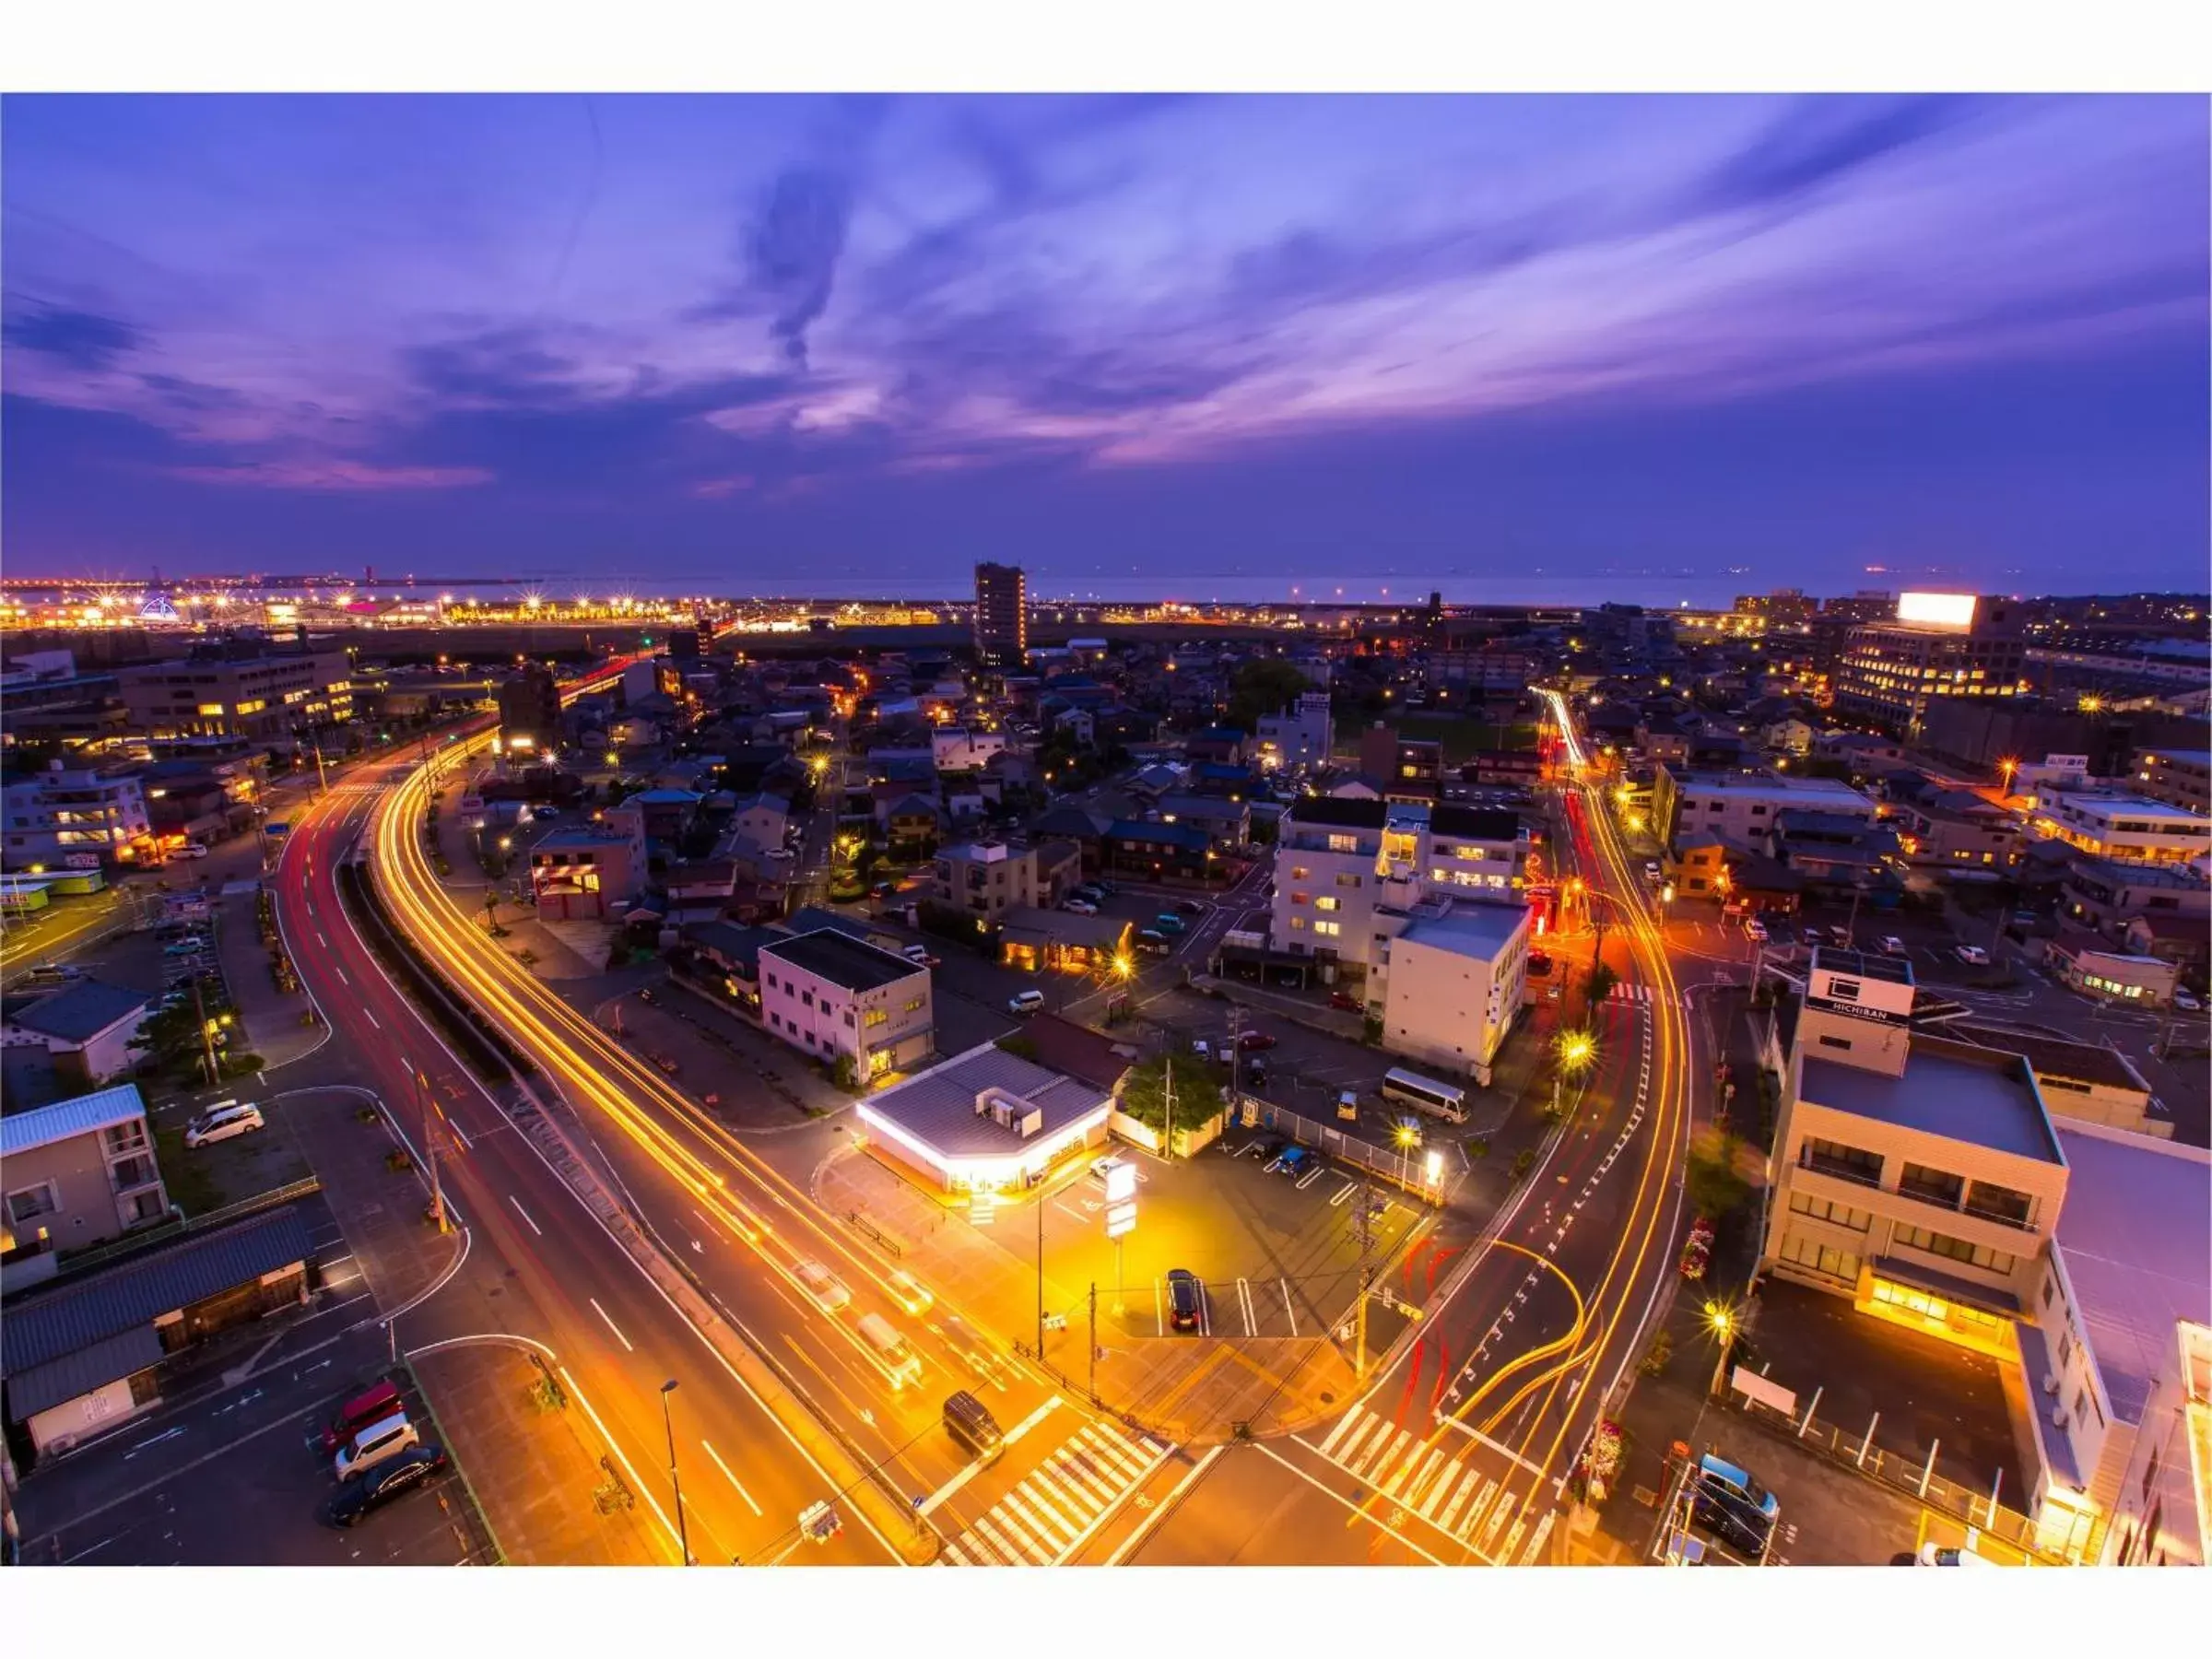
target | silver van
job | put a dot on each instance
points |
(379, 1441)
(891, 1350)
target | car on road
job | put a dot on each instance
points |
(1973, 956)
(190, 850)
(1089, 894)
(912, 1294)
(1152, 942)
(1890, 944)
(1025, 1003)
(827, 1289)
(357, 1499)
(223, 1121)
(1651, 872)
(545, 815)
(1813, 936)
(1754, 930)
(1256, 1039)
(1345, 1000)
(1079, 907)
(819, 1524)
(1167, 922)
(1183, 1299)
(2184, 999)
(1190, 907)
(1255, 1073)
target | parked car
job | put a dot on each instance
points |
(1840, 937)
(1933, 1554)
(1256, 1039)
(1345, 1000)
(1973, 956)
(1292, 1160)
(1167, 922)
(1183, 1299)
(1025, 1003)
(2184, 999)
(190, 850)
(1754, 930)
(372, 1405)
(1813, 936)
(379, 1443)
(1891, 945)
(183, 948)
(1079, 907)
(1152, 942)
(222, 1121)
(1255, 1073)
(545, 815)
(395, 1477)
(1190, 907)
(1200, 1047)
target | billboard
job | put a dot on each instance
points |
(1937, 610)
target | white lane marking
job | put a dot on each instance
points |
(732, 1478)
(1288, 1308)
(611, 1325)
(1344, 1422)
(341, 974)
(372, 1019)
(1031, 1422)
(1266, 1451)
(533, 1226)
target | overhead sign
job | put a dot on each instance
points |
(1121, 1183)
(1937, 610)
(1119, 1219)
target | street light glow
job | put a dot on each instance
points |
(1575, 1049)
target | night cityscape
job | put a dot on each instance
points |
(1104, 830)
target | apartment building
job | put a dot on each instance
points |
(835, 998)
(1918, 1176)
(2112, 824)
(1742, 807)
(1406, 769)
(2106, 894)
(1957, 830)
(2176, 777)
(1328, 867)
(1449, 981)
(1002, 616)
(985, 880)
(75, 817)
(264, 697)
(1471, 851)
(589, 870)
(964, 749)
(78, 1173)
(1301, 735)
(2163, 1510)
(530, 707)
(1939, 646)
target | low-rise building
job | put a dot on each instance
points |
(2082, 961)
(985, 879)
(1227, 822)
(1449, 983)
(1743, 806)
(77, 1173)
(87, 1027)
(1917, 1176)
(1063, 942)
(2176, 777)
(2078, 1079)
(2162, 1511)
(263, 696)
(76, 818)
(987, 1122)
(2106, 894)
(2108, 824)
(589, 871)
(1957, 829)
(1180, 854)
(834, 996)
(1301, 735)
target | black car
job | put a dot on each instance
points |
(1183, 1299)
(395, 1477)
(1190, 907)
(1272, 1149)
(1737, 1524)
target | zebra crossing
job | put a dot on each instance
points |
(1042, 1520)
(1452, 1495)
(1631, 994)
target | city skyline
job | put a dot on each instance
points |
(1712, 344)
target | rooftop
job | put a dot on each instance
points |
(2057, 1057)
(1340, 811)
(2132, 1235)
(1474, 930)
(1474, 823)
(86, 1114)
(853, 964)
(1952, 1089)
(1188, 836)
(938, 1108)
(79, 1013)
(1865, 964)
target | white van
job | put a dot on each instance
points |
(827, 1290)
(220, 1122)
(1025, 1003)
(374, 1444)
(891, 1349)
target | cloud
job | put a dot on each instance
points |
(332, 473)
(1817, 141)
(792, 249)
(78, 339)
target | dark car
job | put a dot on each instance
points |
(647, 995)
(394, 1478)
(1255, 1073)
(1737, 1524)
(1256, 1039)
(1343, 999)
(1292, 1160)
(1183, 1299)
(1190, 907)
(1272, 1149)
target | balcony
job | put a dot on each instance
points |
(1842, 1168)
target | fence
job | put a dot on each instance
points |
(1913, 1474)
(1401, 1166)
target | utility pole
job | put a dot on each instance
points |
(1094, 1342)
(1236, 1057)
(430, 1147)
(492, 913)
(1039, 1204)
(1167, 1149)
(683, 1531)
(1367, 1241)
(199, 1010)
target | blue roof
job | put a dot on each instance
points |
(88, 1114)
(1172, 835)
(80, 1013)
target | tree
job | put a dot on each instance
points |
(1709, 1179)
(1602, 981)
(1265, 687)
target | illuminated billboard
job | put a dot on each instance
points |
(1937, 610)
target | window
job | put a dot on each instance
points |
(806, 997)
(913, 1004)
(1328, 929)
(1828, 1210)
(1298, 925)
(1932, 1186)
(29, 1203)
(1999, 1204)
(1957, 1250)
(875, 1016)
(1347, 881)
(1300, 871)
(1344, 843)
(2065, 1347)
(1825, 1259)
(849, 1018)
(1833, 1158)
(1328, 904)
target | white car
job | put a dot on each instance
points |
(1756, 929)
(1078, 907)
(190, 850)
(221, 1122)
(1973, 956)
(1892, 946)
(2182, 999)
(827, 1290)
(1200, 1047)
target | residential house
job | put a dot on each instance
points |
(77, 1174)
(86, 1027)
(839, 999)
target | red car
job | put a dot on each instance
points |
(1339, 999)
(1256, 1039)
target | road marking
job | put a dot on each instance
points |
(610, 1324)
(1343, 1193)
(341, 974)
(533, 1226)
(1328, 1446)
(1505, 1452)
(1535, 1541)
(372, 1019)
(1288, 1310)
(1031, 1422)
(1342, 1502)
(1251, 1320)
(732, 1478)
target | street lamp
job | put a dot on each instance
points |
(683, 1532)
(1572, 1052)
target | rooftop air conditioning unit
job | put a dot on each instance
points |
(2058, 1416)
(2050, 1382)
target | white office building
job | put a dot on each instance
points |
(1448, 983)
(831, 996)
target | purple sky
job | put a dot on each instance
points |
(777, 342)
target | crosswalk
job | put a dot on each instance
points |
(1431, 1481)
(1629, 993)
(1042, 1520)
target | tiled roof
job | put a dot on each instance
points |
(42, 1386)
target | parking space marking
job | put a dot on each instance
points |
(1159, 1317)
(1252, 1323)
(1344, 1191)
(732, 1478)
(610, 1324)
(1290, 1310)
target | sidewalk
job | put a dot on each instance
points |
(275, 1021)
